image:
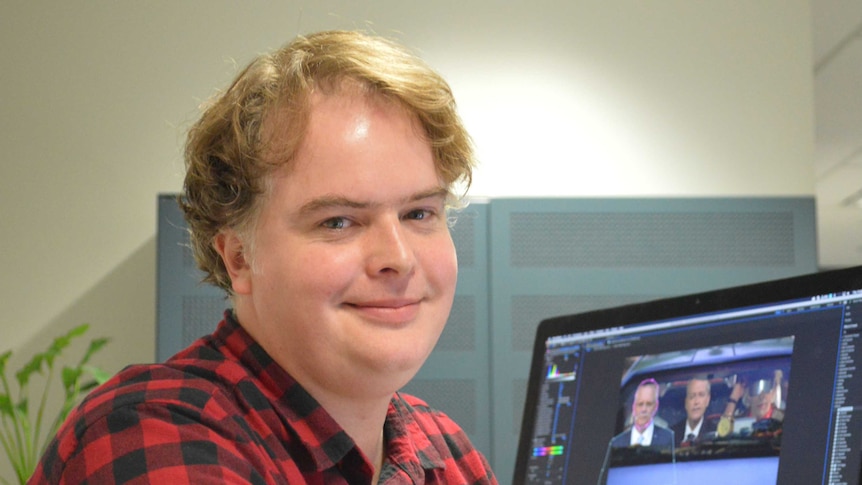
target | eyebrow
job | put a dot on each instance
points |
(330, 201)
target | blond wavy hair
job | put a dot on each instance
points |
(230, 153)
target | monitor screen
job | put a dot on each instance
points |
(753, 384)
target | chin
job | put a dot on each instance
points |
(392, 357)
(406, 364)
(385, 378)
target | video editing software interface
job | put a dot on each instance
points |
(756, 394)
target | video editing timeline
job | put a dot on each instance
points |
(556, 414)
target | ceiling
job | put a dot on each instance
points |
(837, 39)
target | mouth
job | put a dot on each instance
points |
(392, 312)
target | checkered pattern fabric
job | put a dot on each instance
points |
(222, 411)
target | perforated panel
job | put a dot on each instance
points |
(186, 309)
(519, 396)
(188, 255)
(460, 332)
(528, 310)
(642, 239)
(464, 236)
(198, 314)
(456, 397)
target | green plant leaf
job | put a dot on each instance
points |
(3, 358)
(98, 374)
(88, 386)
(6, 405)
(21, 433)
(95, 346)
(21, 407)
(70, 377)
(78, 331)
(35, 365)
(62, 342)
(56, 348)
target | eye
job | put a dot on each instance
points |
(419, 214)
(335, 223)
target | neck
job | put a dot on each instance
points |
(693, 424)
(361, 414)
(377, 458)
(642, 428)
(362, 420)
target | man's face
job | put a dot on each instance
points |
(353, 269)
(761, 404)
(696, 399)
(645, 405)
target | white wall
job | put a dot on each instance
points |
(563, 98)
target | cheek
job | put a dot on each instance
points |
(441, 264)
(325, 272)
(300, 275)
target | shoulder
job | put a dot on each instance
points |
(709, 424)
(429, 419)
(440, 443)
(623, 438)
(678, 430)
(189, 383)
(176, 412)
(663, 435)
(159, 390)
(777, 413)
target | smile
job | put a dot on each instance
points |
(395, 312)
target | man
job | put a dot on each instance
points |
(644, 431)
(316, 194)
(758, 394)
(692, 429)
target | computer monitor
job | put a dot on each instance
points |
(755, 384)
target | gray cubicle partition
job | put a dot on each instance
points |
(523, 260)
(185, 308)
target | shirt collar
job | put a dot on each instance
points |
(407, 443)
(406, 440)
(647, 435)
(689, 430)
(326, 443)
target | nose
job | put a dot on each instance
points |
(390, 251)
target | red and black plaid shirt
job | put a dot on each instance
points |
(222, 411)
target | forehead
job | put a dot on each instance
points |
(646, 393)
(288, 128)
(358, 149)
(697, 385)
(352, 116)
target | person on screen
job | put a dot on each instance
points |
(317, 191)
(695, 426)
(756, 397)
(644, 431)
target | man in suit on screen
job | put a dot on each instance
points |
(695, 426)
(644, 431)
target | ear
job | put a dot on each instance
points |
(232, 251)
